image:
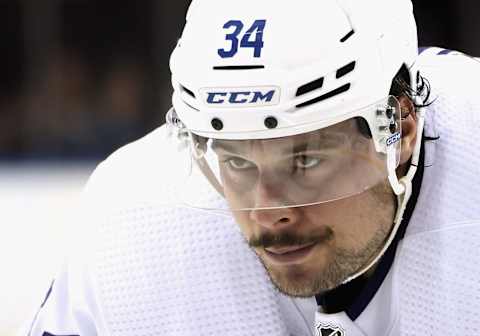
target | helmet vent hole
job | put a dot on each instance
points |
(315, 85)
(327, 95)
(345, 70)
(187, 91)
(346, 37)
(239, 67)
(271, 122)
(217, 124)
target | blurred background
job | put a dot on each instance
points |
(79, 79)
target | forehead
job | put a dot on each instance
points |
(332, 136)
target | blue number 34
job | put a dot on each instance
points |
(256, 31)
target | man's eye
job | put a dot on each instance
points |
(306, 161)
(239, 163)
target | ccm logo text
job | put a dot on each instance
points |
(240, 97)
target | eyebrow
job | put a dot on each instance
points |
(225, 146)
(300, 147)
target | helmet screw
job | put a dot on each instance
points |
(217, 124)
(389, 112)
(393, 127)
(271, 122)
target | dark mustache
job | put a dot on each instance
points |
(288, 239)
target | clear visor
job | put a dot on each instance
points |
(328, 164)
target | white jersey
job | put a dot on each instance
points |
(154, 269)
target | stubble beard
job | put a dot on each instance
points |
(298, 281)
(342, 263)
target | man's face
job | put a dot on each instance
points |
(311, 248)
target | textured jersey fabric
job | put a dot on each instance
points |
(439, 261)
(152, 268)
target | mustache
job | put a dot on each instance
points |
(288, 239)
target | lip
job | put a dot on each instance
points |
(288, 255)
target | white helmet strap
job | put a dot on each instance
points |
(405, 185)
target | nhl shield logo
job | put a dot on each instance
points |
(329, 329)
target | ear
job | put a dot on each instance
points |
(409, 129)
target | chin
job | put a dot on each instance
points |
(303, 280)
(293, 280)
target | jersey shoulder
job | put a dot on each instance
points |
(452, 102)
(449, 71)
(449, 194)
(145, 169)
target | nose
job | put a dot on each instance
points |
(275, 219)
(271, 194)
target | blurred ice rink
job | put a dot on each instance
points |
(35, 203)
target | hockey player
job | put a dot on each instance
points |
(311, 127)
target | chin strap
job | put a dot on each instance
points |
(403, 190)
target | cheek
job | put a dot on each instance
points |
(343, 219)
(355, 220)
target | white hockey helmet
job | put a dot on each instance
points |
(307, 63)
(276, 69)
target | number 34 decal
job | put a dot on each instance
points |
(252, 38)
